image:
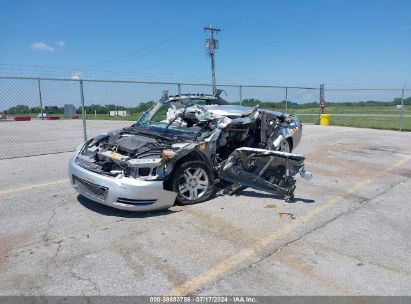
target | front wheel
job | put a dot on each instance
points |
(285, 146)
(193, 182)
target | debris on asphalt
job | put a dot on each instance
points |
(291, 215)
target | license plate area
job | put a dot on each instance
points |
(89, 189)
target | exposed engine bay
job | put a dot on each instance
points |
(238, 145)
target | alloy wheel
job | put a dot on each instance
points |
(193, 183)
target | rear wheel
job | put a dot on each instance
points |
(193, 182)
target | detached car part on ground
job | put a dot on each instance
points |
(187, 147)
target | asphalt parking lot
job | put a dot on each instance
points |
(37, 137)
(348, 232)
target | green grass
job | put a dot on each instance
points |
(387, 123)
(132, 117)
(373, 121)
(377, 122)
(389, 109)
(311, 115)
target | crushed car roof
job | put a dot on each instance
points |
(211, 99)
(229, 110)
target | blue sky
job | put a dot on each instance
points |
(340, 43)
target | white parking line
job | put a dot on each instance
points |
(226, 265)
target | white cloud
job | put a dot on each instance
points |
(60, 43)
(41, 46)
(76, 75)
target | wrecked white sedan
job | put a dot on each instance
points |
(184, 149)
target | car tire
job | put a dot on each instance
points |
(286, 146)
(193, 181)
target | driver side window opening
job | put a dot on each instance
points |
(161, 114)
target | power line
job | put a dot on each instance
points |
(128, 54)
(20, 69)
(148, 52)
(33, 67)
(39, 69)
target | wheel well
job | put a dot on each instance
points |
(194, 155)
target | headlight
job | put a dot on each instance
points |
(167, 154)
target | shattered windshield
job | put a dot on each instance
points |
(167, 117)
(167, 112)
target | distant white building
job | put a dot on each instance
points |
(118, 113)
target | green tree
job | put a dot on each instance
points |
(19, 109)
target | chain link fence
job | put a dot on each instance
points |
(370, 108)
(45, 115)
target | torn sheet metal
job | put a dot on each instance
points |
(270, 171)
(230, 144)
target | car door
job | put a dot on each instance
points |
(265, 170)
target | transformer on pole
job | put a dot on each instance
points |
(211, 45)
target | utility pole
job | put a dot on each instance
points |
(322, 101)
(402, 109)
(211, 45)
(40, 98)
(83, 111)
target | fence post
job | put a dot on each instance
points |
(402, 110)
(40, 98)
(286, 99)
(83, 111)
(179, 88)
(240, 91)
(321, 98)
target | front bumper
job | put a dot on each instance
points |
(121, 193)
